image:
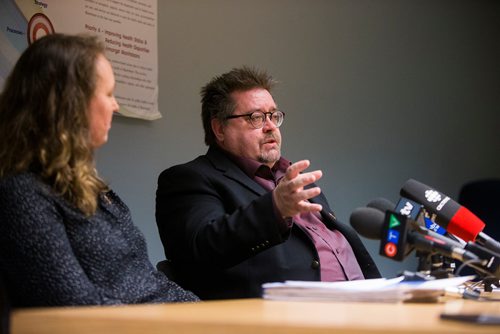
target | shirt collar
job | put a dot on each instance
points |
(250, 166)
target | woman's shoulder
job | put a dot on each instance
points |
(23, 179)
(22, 184)
(25, 201)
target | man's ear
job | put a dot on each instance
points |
(218, 129)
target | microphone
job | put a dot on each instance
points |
(455, 218)
(416, 211)
(491, 259)
(405, 206)
(368, 222)
(399, 235)
(408, 208)
(382, 204)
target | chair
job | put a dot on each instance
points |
(482, 197)
(165, 267)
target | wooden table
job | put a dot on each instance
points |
(254, 316)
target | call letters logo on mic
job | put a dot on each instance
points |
(432, 196)
(407, 209)
(391, 247)
(394, 245)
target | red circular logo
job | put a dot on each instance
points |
(390, 249)
(39, 26)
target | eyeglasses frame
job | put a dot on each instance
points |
(249, 115)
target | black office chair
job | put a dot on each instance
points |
(165, 267)
(482, 197)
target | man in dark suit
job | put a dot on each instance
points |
(242, 215)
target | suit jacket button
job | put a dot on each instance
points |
(315, 264)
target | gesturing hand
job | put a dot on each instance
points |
(289, 195)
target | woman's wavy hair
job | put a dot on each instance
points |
(44, 117)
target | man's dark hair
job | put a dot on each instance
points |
(216, 100)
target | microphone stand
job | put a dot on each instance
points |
(433, 265)
(489, 281)
(424, 262)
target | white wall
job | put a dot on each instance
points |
(375, 92)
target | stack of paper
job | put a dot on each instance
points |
(370, 290)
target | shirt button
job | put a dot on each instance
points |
(315, 264)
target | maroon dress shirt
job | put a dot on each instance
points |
(336, 257)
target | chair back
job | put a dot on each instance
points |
(166, 267)
(482, 197)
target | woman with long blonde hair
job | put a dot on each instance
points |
(65, 237)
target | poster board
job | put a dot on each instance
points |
(127, 27)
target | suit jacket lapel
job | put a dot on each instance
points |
(230, 170)
(329, 218)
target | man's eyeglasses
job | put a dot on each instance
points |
(257, 118)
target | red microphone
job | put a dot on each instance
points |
(465, 224)
(455, 218)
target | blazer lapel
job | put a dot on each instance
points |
(329, 218)
(230, 170)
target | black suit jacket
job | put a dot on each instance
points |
(219, 229)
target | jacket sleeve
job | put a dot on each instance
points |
(207, 219)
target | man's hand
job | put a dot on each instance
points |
(289, 195)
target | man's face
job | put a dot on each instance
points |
(240, 138)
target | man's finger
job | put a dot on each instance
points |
(294, 169)
(305, 179)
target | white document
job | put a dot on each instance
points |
(370, 290)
